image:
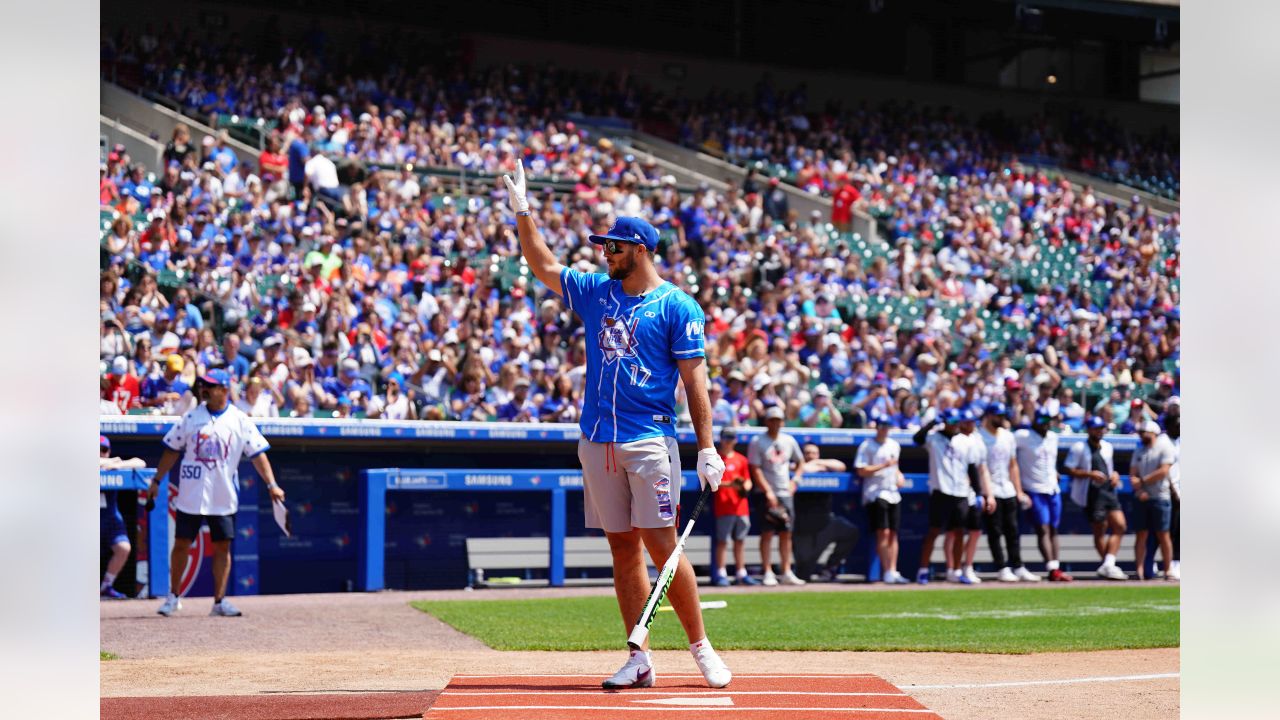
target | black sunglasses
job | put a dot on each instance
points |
(613, 247)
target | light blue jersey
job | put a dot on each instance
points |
(633, 344)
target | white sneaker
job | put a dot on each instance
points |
(1006, 575)
(1111, 572)
(788, 578)
(953, 576)
(1174, 574)
(1026, 575)
(899, 579)
(637, 672)
(224, 609)
(769, 579)
(713, 668)
(172, 604)
(972, 576)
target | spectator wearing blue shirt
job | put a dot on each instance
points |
(298, 156)
(348, 384)
(520, 408)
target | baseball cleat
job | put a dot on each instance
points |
(637, 672)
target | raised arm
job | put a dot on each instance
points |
(542, 262)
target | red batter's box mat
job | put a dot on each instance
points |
(754, 696)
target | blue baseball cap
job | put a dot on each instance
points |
(103, 442)
(631, 230)
(968, 415)
(1042, 416)
(877, 419)
(217, 377)
(951, 416)
(997, 408)
(1096, 421)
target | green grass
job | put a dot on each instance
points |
(960, 620)
(104, 655)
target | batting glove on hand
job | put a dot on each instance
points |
(710, 468)
(516, 191)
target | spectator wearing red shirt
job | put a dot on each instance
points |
(732, 512)
(842, 204)
(124, 390)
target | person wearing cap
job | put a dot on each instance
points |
(349, 384)
(394, 404)
(1006, 486)
(644, 336)
(163, 339)
(981, 500)
(821, 412)
(733, 514)
(1094, 486)
(777, 466)
(1149, 471)
(1037, 454)
(169, 391)
(111, 528)
(207, 445)
(876, 463)
(124, 388)
(519, 408)
(953, 470)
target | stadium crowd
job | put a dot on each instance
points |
(383, 293)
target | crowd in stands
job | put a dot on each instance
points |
(386, 294)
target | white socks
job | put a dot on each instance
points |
(1109, 560)
(107, 580)
(696, 646)
(1051, 565)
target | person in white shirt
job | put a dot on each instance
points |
(977, 507)
(210, 440)
(257, 402)
(876, 463)
(1153, 494)
(952, 475)
(773, 457)
(1006, 486)
(1094, 485)
(1037, 453)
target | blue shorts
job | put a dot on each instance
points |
(1046, 509)
(111, 529)
(1154, 515)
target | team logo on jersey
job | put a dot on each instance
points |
(616, 339)
(662, 492)
(211, 449)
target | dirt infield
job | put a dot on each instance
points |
(375, 643)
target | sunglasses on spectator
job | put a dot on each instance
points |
(613, 247)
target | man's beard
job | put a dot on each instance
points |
(621, 270)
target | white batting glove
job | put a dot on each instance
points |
(516, 191)
(710, 468)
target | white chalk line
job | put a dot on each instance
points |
(1011, 613)
(1067, 681)
(630, 692)
(702, 709)
(665, 675)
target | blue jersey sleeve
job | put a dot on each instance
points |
(686, 328)
(578, 286)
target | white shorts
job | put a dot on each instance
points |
(630, 485)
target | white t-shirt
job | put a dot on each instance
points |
(1038, 461)
(263, 407)
(882, 485)
(1000, 450)
(396, 410)
(1175, 472)
(212, 448)
(1080, 457)
(949, 460)
(321, 172)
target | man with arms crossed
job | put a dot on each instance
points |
(644, 335)
(1006, 484)
(1037, 453)
(774, 455)
(876, 462)
(733, 516)
(1094, 482)
(1153, 495)
(210, 439)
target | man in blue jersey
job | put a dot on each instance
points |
(643, 335)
